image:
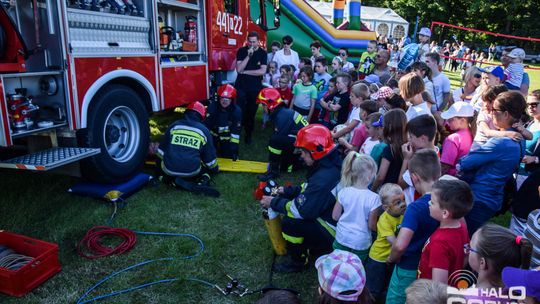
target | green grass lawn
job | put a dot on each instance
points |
(37, 205)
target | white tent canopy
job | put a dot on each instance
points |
(384, 21)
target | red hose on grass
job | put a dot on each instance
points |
(91, 246)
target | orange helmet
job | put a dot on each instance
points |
(227, 91)
(269, 97)
(197, 107)
(315, 138)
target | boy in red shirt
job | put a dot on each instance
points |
(284, 89)
(443, 252)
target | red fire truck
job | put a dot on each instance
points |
(88, 73)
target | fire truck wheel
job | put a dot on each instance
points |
(118, 125)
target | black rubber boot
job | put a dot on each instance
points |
(201, 187)
(294, 261)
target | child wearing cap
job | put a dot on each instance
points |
(515, 69)
(423, 38)
(373, 133)
(443, 253)
(342, 278)
(377, 271)
(381, 96)
(459, 118)
(377, 151)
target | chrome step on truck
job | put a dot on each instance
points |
(48, 159)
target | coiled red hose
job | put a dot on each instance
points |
(92, 248)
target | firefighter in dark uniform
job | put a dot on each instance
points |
(286, 122)
(187, 154)
(224, 121)
(307, 209)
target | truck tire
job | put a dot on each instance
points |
(117, 124)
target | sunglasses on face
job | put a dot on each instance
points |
(342, 54)
(532, 104)
(477, 75)
(287, 43)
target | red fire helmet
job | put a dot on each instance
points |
(316, 139)
(269, 97)
(197, 107)
(227, 91)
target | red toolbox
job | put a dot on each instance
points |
(44, 265)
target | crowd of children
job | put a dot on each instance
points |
(422, 175)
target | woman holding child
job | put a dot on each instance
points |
(488, 168)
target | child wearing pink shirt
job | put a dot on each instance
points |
(459, 117)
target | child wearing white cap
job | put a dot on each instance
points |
(423, 37)
(459, 118)
(514, 71)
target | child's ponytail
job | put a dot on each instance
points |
(358, 169)
(501, 247)
(346, 170)
(526, 248)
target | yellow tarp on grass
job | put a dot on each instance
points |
(228, 165)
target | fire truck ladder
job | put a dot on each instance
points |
(48, 159)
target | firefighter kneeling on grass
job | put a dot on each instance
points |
(187, 154)
(224, 122)
(286, 122)
(307, 222)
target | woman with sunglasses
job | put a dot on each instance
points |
(533, 109)
(472, 80)
(490, 166)
(527, 199)
(287, 55)
(346, 65)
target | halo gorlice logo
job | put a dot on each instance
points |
(462, 279)
(466, 294)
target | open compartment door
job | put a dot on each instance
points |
(13, 50)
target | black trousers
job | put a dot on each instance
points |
(224, 148)
(247, 101)
(281, 150)
(304, 234)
